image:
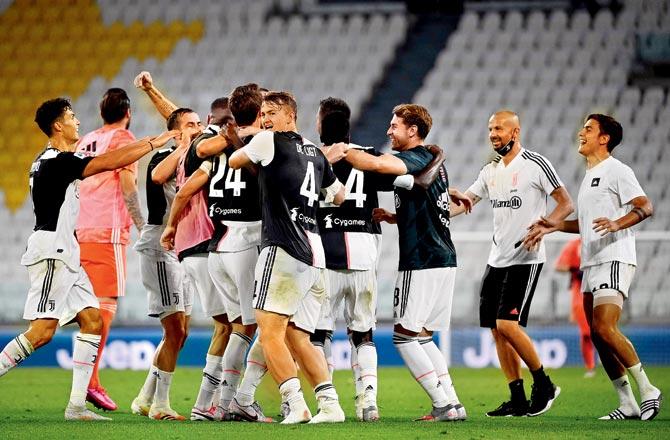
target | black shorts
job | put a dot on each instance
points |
(507, 293)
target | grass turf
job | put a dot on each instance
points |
(32, 401)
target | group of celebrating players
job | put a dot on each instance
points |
(273, 233)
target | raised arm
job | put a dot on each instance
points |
(167, 167)
(131, 197)
(164, 106)
(194, 184)
(126, 155)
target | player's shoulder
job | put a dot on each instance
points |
(122, 135)
(161, 154)
(534, 156)
(491, 164)
(617, 164)
(536, 161)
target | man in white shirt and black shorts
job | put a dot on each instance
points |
(517, 183)
(610, 201)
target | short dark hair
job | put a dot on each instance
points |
(282, 99)
(114, 105)
(330, 104)
(220, 103)
(175, 117)
(245, 103)
(49, 112)
(609, 126)
(414, 114)
(334, 128)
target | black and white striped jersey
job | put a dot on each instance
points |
(518, 194)
(234, 204)
(159, 202)
(54, 189)
(292, 174)
(350, 238)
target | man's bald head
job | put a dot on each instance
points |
(508, 118)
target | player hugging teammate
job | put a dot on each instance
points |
(273, 232)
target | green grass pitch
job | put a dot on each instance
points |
(32, 401)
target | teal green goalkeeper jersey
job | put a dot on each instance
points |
(423, 218)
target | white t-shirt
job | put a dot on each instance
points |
(605, 191)
(518, 194)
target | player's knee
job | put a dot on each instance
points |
(359, 338)
(41, 337)
(506, 329)
(91, 323)
(603, 330)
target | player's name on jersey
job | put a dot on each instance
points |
(307, 150)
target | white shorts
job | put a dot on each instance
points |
(197, 272)
(422, 298)
(233, 275)
(358, 288)
(611, 275)
(163, 277)
(57, 292)
(284, 284)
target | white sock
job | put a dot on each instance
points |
(253, 374)
(163, 382)
(83, 358)
(233, 362)
(291, 393)
(367, 361)
(647, 390)
(149, 388)
(325, 391)
(14, 353)
(421, 367)
(211, 380)
(627, 401)
(355, 368)
(440, 364)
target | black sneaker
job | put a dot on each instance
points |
(510, 409)
(542, 396)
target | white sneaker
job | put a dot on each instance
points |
(330, 411)
(140, 407)
(284, 410)
(460, 410)
(370, 412)
(164, 413)
(358, 403)
(299, 414)
(81, 413)
(202, 415)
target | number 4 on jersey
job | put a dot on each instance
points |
(308, 187)
(354, 188)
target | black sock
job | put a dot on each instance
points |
(539, 376)
(518, 392)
